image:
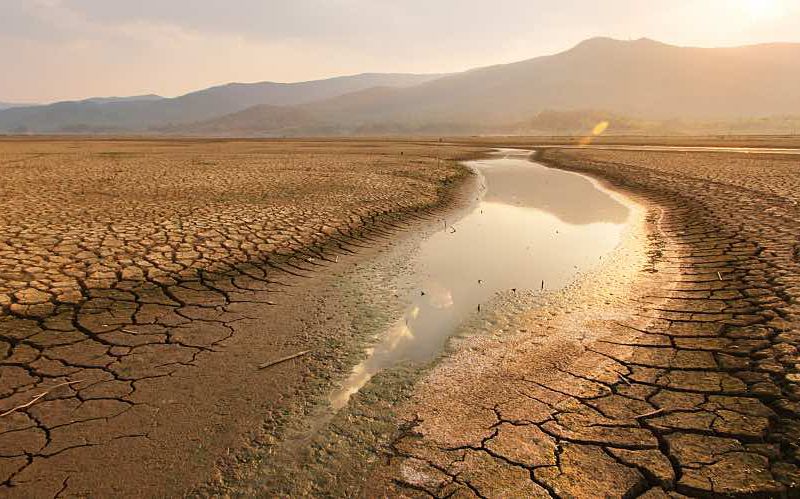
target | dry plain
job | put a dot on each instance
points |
(154, 276)
(127, 265)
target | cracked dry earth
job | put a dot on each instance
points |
(683, 382)
(131, 277)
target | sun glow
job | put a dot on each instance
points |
(762, 9)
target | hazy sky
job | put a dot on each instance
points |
(67, 49)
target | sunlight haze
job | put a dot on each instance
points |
(72, 49)
(399, 248)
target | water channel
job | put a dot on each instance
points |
(533, 228)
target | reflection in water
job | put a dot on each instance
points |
(534, 224)
(572, 198)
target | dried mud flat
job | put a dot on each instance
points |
(672, 372)
(143, 282)
(160, 274)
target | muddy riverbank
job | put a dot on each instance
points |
(528, 225)
(669, 371)
(684, 384)
(335, 453)
(142, 283)
(670, 367)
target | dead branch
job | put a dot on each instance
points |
(283, 359)
(650, 414)
(38, 397)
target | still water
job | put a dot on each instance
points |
(533, 228)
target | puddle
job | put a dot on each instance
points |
(533, 228)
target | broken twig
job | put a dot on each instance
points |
(38, 397)
(649, 414)
(283, 359)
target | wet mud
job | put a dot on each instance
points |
(531, 227)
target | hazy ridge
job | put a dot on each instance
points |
(9, 105)
(640, 85)
(148, 113)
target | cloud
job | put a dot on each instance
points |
(77, 48)
(341, 21)
(32, 20)
(266, 20)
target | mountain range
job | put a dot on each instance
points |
(133, 98)
(143, 113)
(9, 105)
(644, 79)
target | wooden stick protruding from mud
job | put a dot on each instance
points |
(650, 414)
(38, 397)
(283, 359)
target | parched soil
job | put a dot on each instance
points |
(155, 276)
(143, 282)
(679, 376)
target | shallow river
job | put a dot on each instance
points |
(533, 228)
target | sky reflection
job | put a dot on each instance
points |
(533, 225)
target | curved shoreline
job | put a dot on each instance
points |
(364, 290)
(167, 364)
(675, 387)
(685, 380)
(685, 388)
(531, 337)
(337, 458)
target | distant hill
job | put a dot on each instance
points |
(641, 83)
(151, 112)
(257, 120)
(9, 105)
(642, 78)
(134, 98)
